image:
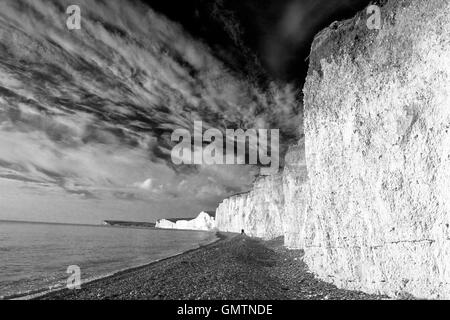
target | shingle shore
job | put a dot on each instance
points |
(234, 268)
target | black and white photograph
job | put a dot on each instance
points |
(237, 151)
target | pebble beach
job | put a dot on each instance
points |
(235, 267)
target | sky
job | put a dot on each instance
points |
(86, 115)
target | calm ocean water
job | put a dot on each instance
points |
(35, 256)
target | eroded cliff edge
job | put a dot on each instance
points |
(372, 213)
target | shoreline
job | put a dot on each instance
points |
(233, 267)
(40, 293)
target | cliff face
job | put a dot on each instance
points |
(295, 191)
(259, 213)
(377, 127)
(204, 222)
(372, 210)
(273, 207)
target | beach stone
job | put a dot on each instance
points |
(377, 128)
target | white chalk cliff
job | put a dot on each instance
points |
(270, 209)
(372, 209)
(259, 212)
(204, 222)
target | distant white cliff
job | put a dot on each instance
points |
(204, 222)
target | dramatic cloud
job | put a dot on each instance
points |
(286, 44)
(91, 111)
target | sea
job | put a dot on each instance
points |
(40, 257)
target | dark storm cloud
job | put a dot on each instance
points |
(286, 46)
(266, 38)
(93, 109)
